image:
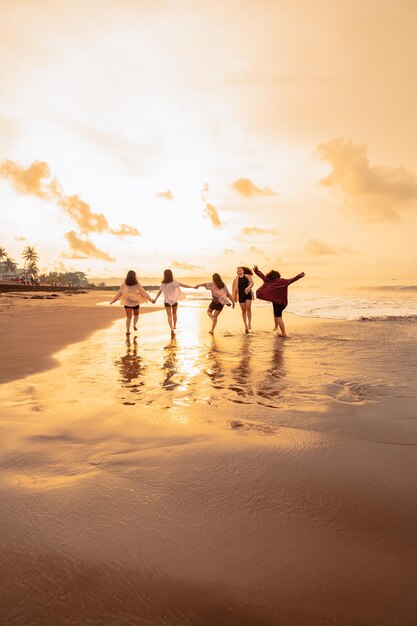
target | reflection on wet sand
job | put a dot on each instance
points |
(215, 370)
(170, 365)
(272, 385)
(132, 373)
(242, 374)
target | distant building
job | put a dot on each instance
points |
(5, 275)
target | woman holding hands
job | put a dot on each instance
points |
(220, 296)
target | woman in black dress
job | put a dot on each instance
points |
(242, 291)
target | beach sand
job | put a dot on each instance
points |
(197, 480)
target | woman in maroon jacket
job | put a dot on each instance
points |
(275, 290)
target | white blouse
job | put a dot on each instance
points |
(172, 292)
(131, 295)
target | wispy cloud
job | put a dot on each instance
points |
(255, 250)
(228, 251)
(36, 180)
(211, 212)
(255, 230)
(165, 195)
(374, 192)
(319, 248)
(84, 248)
(247, 188)
(20, 239)
(185, 266)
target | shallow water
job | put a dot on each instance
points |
(228, 480)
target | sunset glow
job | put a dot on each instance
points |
(205, 135)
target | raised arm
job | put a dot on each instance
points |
(229, 295)
(259, 273)
(117, 296)
(294, 278)
(187, 286)
(199, 285)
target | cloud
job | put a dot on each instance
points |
(247, 188)
(374, 192)
(83, 248)
(29, 181)
(319, 248)
(165, 195)
(254, 230)
(256, 250)
(228, 251)
(211, 212)
(80, 212)
(125, 231)
(36, 181)
(185, 266)
(20, 239)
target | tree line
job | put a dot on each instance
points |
(31, 268)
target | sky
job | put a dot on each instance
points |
(203, 135)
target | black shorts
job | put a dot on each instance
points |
(216, 306)
(133, 308)
(278, 309)
(171, 306)
(245, 296)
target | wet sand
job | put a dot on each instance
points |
(31, 331)
(227, 480)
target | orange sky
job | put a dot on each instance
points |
(203, 135)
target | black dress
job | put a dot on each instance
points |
(242, 285)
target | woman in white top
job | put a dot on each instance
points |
(131, 294)
(220, 295)
(172, 293)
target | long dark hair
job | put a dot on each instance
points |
(131, 278)
(168, 276)
(218, 281)
(273, 275)
(246, 270)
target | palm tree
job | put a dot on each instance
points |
(31, 258)
(10, 266)
(3, 257)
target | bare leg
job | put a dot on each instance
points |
(169, 316)
(279, 321)
(128, 320)
(174, 315)
(214, 318)
(249, 313)
(275, 321)
(243, 308)
(210, 313)
(135, 319)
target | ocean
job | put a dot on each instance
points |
(369, 303)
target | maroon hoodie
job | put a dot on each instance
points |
(276, 289)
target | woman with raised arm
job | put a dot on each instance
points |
(275, 290)
(242, 291)
(220, 296)
(172, 294)
(132, 295)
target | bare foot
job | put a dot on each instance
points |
(135, 328)
(127, 333)
(211, 332)
(247, 331)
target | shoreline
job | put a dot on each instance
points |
(32, 331)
